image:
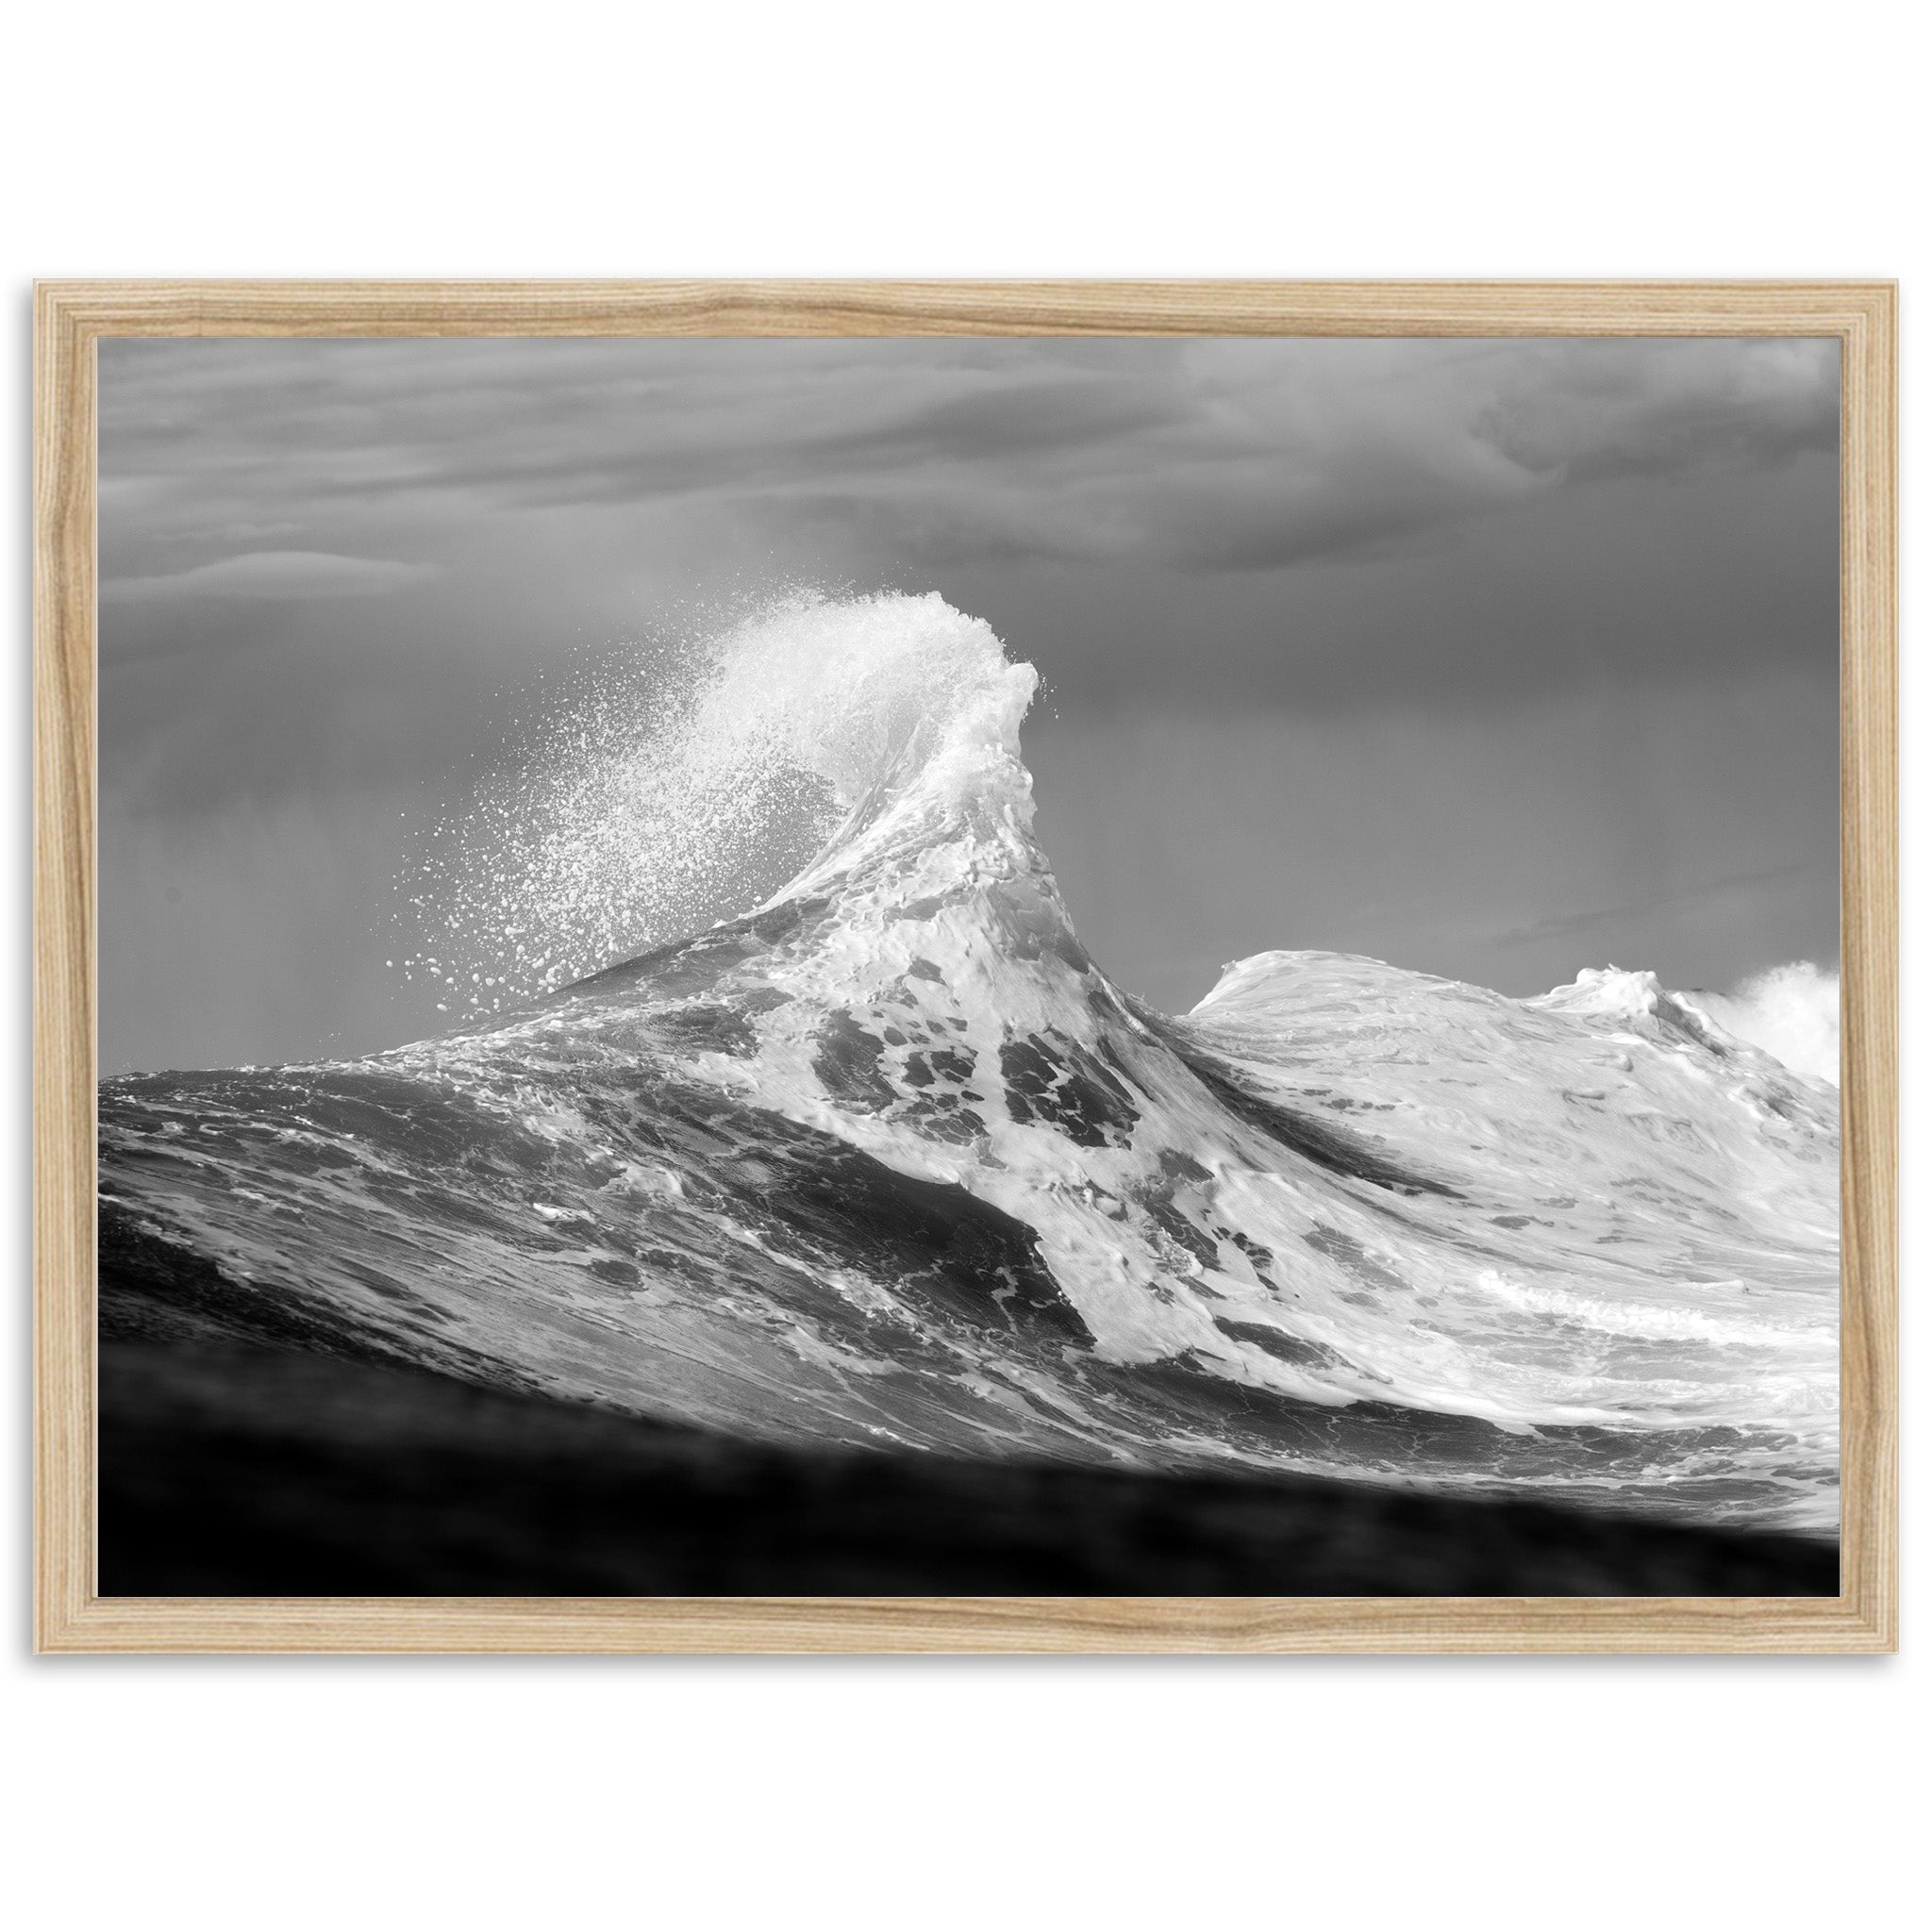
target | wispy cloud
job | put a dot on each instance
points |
(1209, 456)
(1602, 918)
(277, 577)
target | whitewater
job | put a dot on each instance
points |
(886, 1159)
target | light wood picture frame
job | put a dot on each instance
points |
(72, 317)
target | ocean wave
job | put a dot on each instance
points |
(885, 1158)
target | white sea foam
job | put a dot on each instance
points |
(664, 788)
(1791, 1012)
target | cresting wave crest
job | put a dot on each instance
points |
(887, 1160)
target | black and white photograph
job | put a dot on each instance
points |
(996, 966)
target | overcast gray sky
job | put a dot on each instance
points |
(1492, 659)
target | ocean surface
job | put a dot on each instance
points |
(887, 1161)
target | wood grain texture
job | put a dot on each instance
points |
(960, 308)
(70, 318)
(64, 982)
(1868, 769)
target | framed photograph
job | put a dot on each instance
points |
(950, 966)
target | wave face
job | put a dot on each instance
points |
(888, 1160)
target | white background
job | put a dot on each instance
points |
(1489, 140)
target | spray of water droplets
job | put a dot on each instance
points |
(649, 795)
